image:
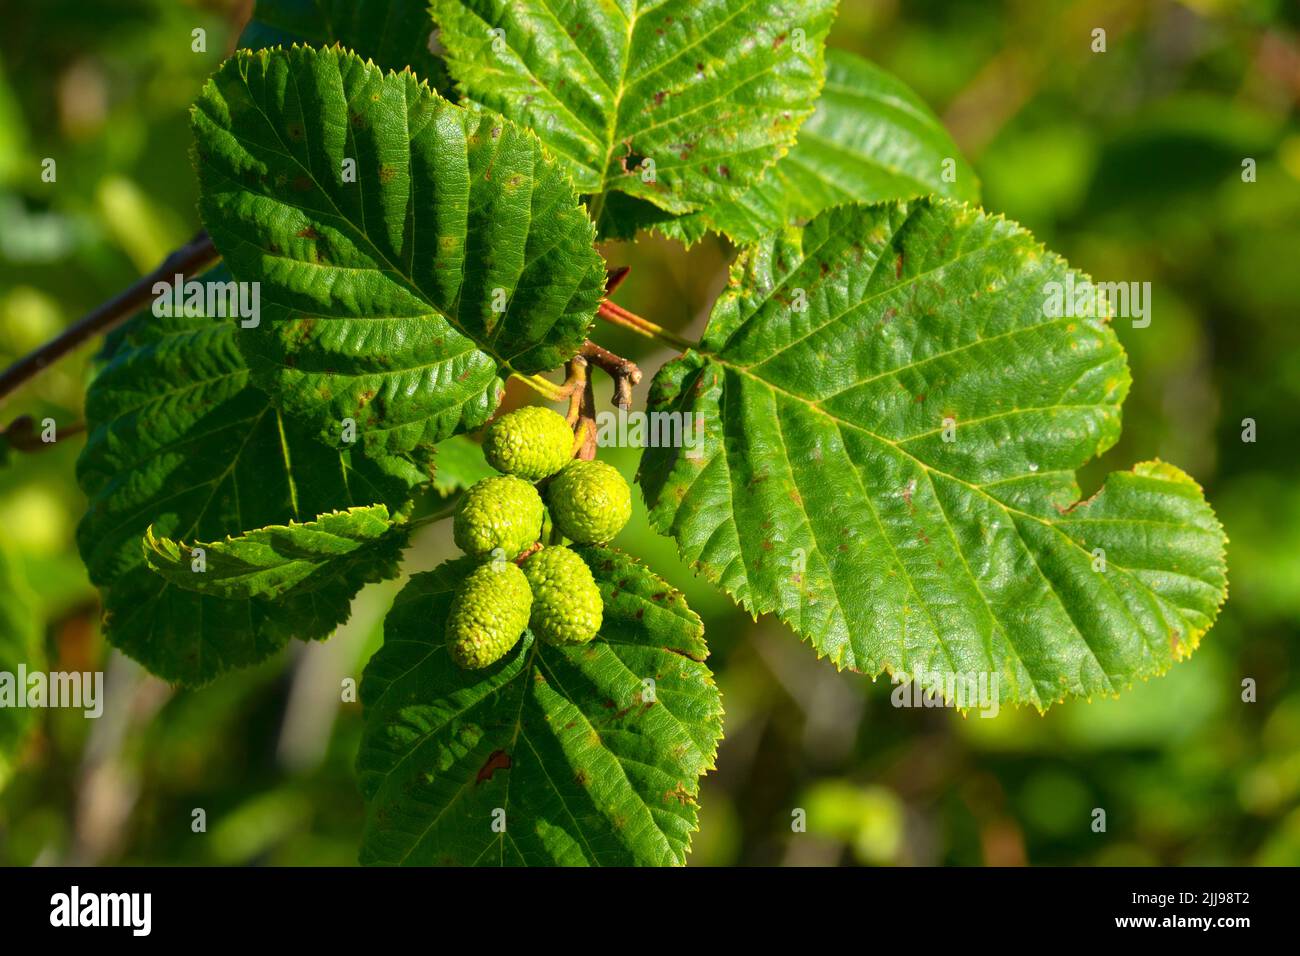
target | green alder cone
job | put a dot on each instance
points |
(530, 443)
(488, 614)
(590, 502)
(503, 513)
(567, 608)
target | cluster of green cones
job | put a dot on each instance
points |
(518, 524)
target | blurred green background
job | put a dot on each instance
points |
(1127, 162)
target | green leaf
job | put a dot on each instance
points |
(20, 645)
(825, 490)
(460, 464)
(871, 139)
(398, 301)
(587, 767)
(396, 34)
(180, 441)
(712, 91)
(342, 549)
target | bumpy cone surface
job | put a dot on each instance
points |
(531, 443)
(590, 502)
(503, 513)
(489, 612)
(567, 608)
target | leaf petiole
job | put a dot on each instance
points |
(618, 315)
(546, 388)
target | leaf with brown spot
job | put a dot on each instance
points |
(846, 412)
(589, 100)
(497, 760)
(434, 734)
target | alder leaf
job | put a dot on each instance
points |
(871, 139)
(178, 439)
(396, 34)
(588, 755)
(459, 464)
(712, 91)
(834, 368)
(393, 303)
(341, 549)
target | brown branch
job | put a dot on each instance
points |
(582, 408)
(624, 372)
(587, 422)
(22, 434)
(191, 258)
(528, 552)
(575, 382)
